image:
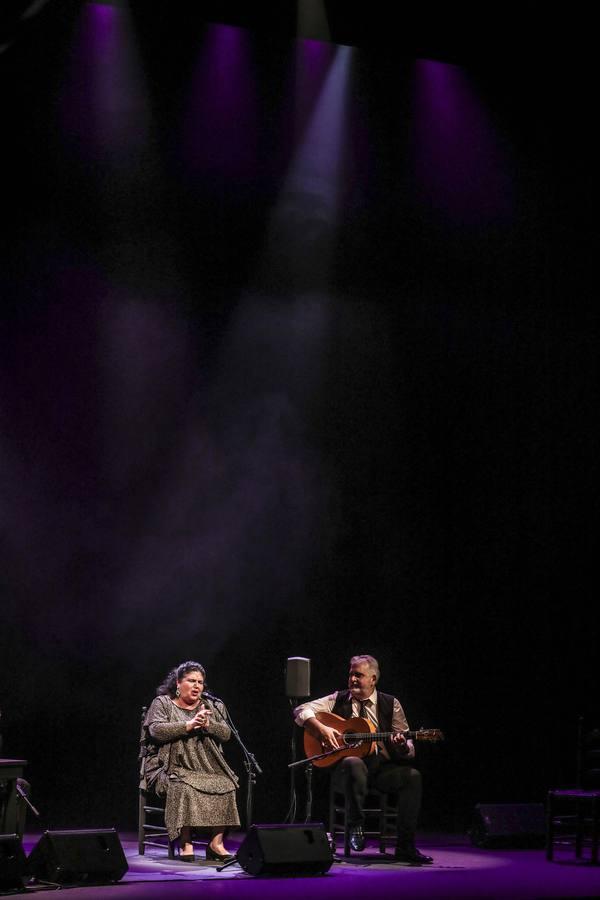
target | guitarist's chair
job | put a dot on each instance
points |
(379, 807)
(573, 814)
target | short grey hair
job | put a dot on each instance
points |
(369, 660)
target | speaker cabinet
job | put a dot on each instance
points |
(78, 857)
(285, 850)
(297, 677)
(508, 825)
(12, 863)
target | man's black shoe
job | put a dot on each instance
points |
(357, 838)
(412, 857)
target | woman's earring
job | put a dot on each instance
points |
(177, 693)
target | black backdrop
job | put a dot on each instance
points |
(240, 424)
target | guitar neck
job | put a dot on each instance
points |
(375, 735)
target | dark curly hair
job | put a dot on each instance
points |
(169, 685)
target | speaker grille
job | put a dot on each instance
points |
(297, 677)
(12, 863)
(285, 850)
(508, 825)
(78, 857)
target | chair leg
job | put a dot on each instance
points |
(332, 814)
(595, 828)
(549, 829)
(579, 832)
(346, 827)
(382, 821)
(141, 819)
(149, 834)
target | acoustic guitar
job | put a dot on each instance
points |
(358, 738)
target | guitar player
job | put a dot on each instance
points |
(387, 767)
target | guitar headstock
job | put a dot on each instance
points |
(429, 734)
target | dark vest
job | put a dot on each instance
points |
(385, 708)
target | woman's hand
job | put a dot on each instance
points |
(200, 720)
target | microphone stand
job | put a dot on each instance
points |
(252, 770)
(308, 774)
(26, 800)
(309, 759)
(291, 813)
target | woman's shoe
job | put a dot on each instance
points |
(217, 857)
(187, 857)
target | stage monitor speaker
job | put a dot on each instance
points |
(12, 863)
(297, 677)
(508, 825)
(285, 850)
(78, 857)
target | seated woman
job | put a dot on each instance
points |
(184, 762)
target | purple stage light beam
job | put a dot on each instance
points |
(320, 149)
(302, 228)
(104, 108)
(462, 170)
(220, 130)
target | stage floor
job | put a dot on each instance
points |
(459, 870)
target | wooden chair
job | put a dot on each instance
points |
(151, 811)
(152, 831)
(378, 808)
(573, 814)
(151, 824)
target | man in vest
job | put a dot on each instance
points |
(388, 769)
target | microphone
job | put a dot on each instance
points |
(211, 697)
